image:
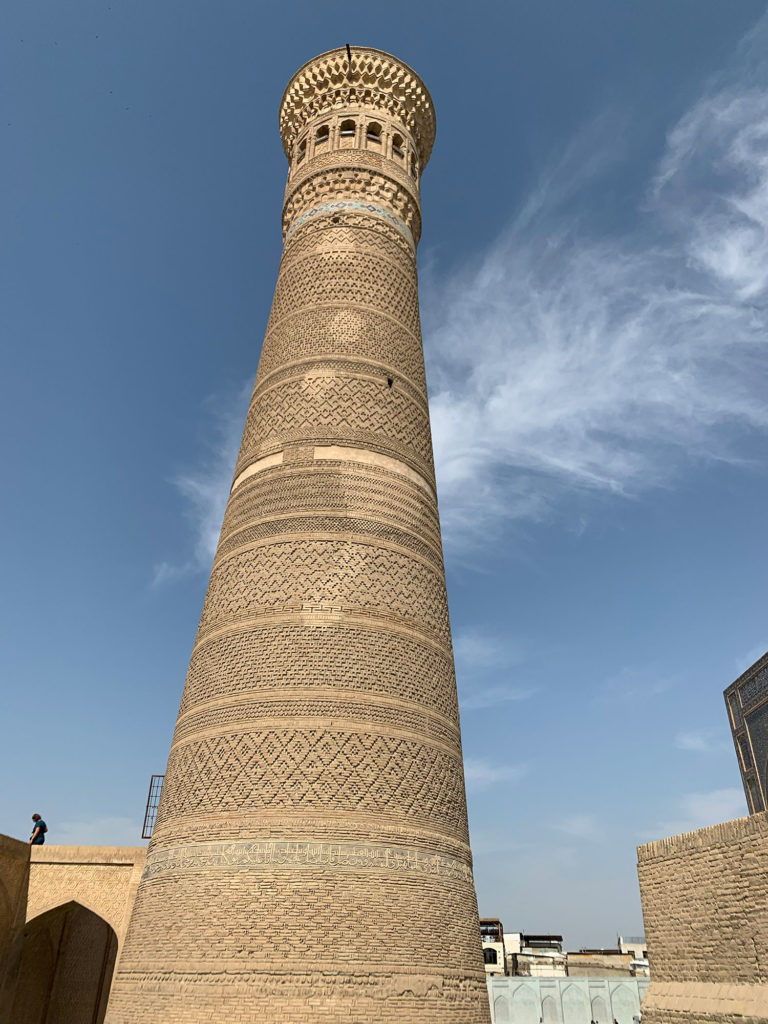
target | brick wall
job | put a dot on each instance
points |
(60, 969)
(102, 878)
(596, 965)
(14, 871)
(705, 905)
(63, 911)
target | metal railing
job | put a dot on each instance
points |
(153, 799)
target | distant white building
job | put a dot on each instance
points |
(534, 956)
(639, 967)
(634, 944)
(524, 955)
(492, 938)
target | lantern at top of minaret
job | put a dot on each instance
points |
(354, 109)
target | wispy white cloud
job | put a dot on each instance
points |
(583, 159)
(635, 684)
(491, 696)
(564, 364)
(494, 840)
(205, 487)
(164, 573)
(698, 810)
(580, 826)
(104, 831)
(481, 774)
(703, 741)
(746, 660)
(482, 659)
(717, 163)
(480, 648)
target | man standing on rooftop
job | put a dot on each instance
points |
(39, 829)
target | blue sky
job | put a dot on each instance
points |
(594, 272)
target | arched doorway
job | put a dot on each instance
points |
(549, 1011)
(6, 921)
(599, 1010)
(60, 969)
(575, 1004)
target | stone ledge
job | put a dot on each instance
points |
(93, 855)
(701, 999)
(704, 838)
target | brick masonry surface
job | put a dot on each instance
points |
(14, 880)
(310, 859)
(69, 910)
(104, 879)
(705, 905)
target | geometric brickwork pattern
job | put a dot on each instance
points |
(333, 492)
(348, 185)
(377, 80)
(362, 332)
(313, 769)
(360, 277)
(314, 707)
(310, 858)
(337, 409)
(352, 166)
(336, 572)
(351, 204)
(747, 703)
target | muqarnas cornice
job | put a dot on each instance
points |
(372, 78)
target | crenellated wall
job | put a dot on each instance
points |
(705, 905)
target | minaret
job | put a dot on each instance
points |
(310, 861)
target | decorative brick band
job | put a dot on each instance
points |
(357, 206)
(698, 1001)
(275, 855)
(339, 453)
(230, 980)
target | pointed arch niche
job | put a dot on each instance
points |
(60, 968)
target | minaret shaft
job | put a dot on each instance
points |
(310, 860)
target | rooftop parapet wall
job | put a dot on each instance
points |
(103, 879)
(715, 836)
(14, 876)
(705, 905)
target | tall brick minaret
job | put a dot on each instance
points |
(310, 861)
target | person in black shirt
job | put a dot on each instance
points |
(39, 829)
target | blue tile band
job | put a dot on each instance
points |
(358, 206)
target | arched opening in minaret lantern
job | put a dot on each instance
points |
(322, 135)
